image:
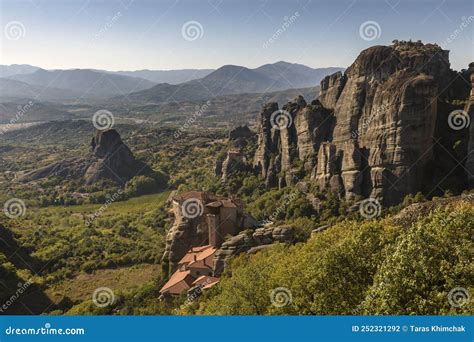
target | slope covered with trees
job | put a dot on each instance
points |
(372, 267)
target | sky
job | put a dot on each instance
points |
(179, 34)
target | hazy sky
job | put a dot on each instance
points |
(129, 35)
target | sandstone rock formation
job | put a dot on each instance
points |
(110, 159)
(250, 242)
(234, 160)
(202, 218)
(113, 159)
(280, 146)
(377, 130)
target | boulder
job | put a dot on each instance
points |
(250, 242)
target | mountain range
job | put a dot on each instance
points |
(16, 69)
(26, 81)
(166, 76)
(87, 83)
(232, 79)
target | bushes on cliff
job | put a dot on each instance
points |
(433, 258)
(356, 268)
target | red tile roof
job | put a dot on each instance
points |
(197, 254)
(205, 280)
(176, 278)
(182, 279)
(207, 286)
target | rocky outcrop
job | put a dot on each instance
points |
(113, 160)
(234, 160)
(305, 127)
(373, 131)
(202, 218)
(110, 159)
(217, 169)
(416, 211)
(250, 242)
(267, 140)
(331, 88)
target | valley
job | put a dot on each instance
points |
(333, 192)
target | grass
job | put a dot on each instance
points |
(61, 245)
(142, 204)
(82, 286)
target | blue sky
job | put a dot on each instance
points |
(129, 35)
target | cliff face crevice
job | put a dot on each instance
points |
(373, 131)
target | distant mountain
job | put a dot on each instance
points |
(292, 75)
(167, 76)
(26, 111)
(232, 79)
(11, 90)
(16, 69)
(87, 83)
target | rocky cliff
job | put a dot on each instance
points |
(250, 242)
(113, 159)
(234, 159)
(197, 217)
(379, 130)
